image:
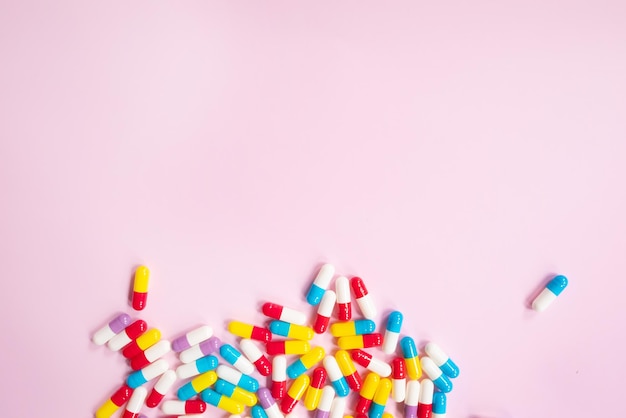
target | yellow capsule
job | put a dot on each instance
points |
(346, 365)
(357, 327)
(230, 405)
(148, 338)
(413, 367)
(286, 329)
(142, 277)
(204, 381)
(107, 409)
(360, 341)
(298, 387)
(312, 398)
(243, 330)
(348, 416)
(243, 396)
(382, 392)
(370, 384)
(387, 415)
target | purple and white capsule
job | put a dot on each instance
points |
(411, 399)
(268, 403)
(192, 338)
(326, 402)
(117, 325)
(197, 351)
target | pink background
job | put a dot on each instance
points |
(454, 154)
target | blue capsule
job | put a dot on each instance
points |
(439, 403)
(257, 411)
(229, 353)
(206, 363)
(552, 290)
(392, 332)
(320, 284)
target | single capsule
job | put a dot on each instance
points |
(344, 304)
(370, 384)
(285, 329)
(197, 351)
(392, 332)
(442, 360)
(148, 373)
(387, 415)
(192, 338)
(305, 362)
(223, 402)
(160, 388)
(126, 336)
(283, 313)
(360, 341)
(363, 298)
(287, 347)
(269, 404)
(373, 364)
(142, 343)
(398, 379)
(114, 403)
(439, 405)
(552, 290)
(348, 329)
(346, 365)
(202, 365)
(320, 284)
(197, 385)
(135, 403)
(237, 378)
(234, 357)
(279, 376)
(326, 402)
(257, 411)
(256, 356)
(410, 354)
(435, 374)
(412, 398)
(314, 392)
(236, 393)
(380, 398)
(150, 355)
(295, 393)
(183, 407)
(140, 288)
(338, 407)
(336, 377)
(425, 402)
(243, 330)
(117, 325)
(324, 312)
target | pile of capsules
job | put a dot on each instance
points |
(232, 386)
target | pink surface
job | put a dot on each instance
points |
(453, 154)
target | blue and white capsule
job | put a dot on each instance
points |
(320, 284)
(442, 360)
(435, 374)
(552, 290)
(257, 411)
(392, 332)
(439, 405)
(148, 373)
(202, 365)
(337, 379)
(237, 378)
(234, 357)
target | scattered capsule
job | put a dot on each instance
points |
(236, 393)
(223, 402)
(183, 407)
(360, 341)
(392, 332)
(283, 313)
(305, 362)
(320, 284)
(285, 329)
(552, 290)
(237, 378)
(326, 402)
(257, 411)
(314, 392)
(439, 405)
(295, 393)
(234, 357)
(338, 407)
(117, 325)
(344, 304)
(363, 298)
(287, 347)
(140, 288)
(380, 398)
(148, 373)
(202, 365)
(269, 404)
(336, 377)
(279, 376)
(410, 354)
(200, 350)
(368, 389)
(425, 402)
(412, 398)
(135, 403)
(114, 403)
(197, 385)
(398, 379)
(346, 365)
(143, 342)
(371, 363)
(350, 328)
(243, 330)
(192, 338)
(127, 335)
(324, 312)
(435, 374)
(150, 355)
(160, 388)
(442, 360)
(256, 356)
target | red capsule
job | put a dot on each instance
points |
(372, 340)
(319, 378)
(321, 324)
(263, 366)
(121, 395)
(398, 368)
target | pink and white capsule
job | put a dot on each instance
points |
(192, 338)
(344, 303)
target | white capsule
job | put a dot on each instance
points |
(119, 341)
(250, 350)
(137, 399)
(548, 295)
(292, 415)
(192, 338)
(229, 374)
(338, 407)
(324, 276)
(327, 304)
(332, 368)
(363, 299)
(115, 326)
(165, 382)
(274, 411)
(157, 351)
(379, 367)
(326, 399)
(279, 368)
(243, 365)
(155, 369)
(412, 393)
(185, 371)
(426, 392)
(173, 407)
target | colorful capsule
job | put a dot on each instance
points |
(324, 312)
(202, 365)
(335, 376)
(192, 338)
(283, 313)
(269, 404)
(237, 378)
(358, 327)
(183, 407)
(425, 402)
(305, 362)
(441, 359)
(257, 411)
(135, 403)
(197, 351)
(373, 364)
(160, 388)
(314, 392)
(380, 398)
(320, 284)
(295, 393)
(140, 288)
(392, 332)
(346, 365)
(326, 402)
(363, 298)
(143, 342)
(114, 403)
(435, 374)
(552, 290)
(150, 355)
(368, 389)
(344, 303)
(148, 373)
(243, 330)
(360, 341)
(117, 325)
(337, 407)
(287, 347)
(439, 405)
(412, 398)
(223, 402)
(387, 415)
(398, 379)
(279, 376)
(236, 393)
(127, 335)
(409, 352)
(197, 385)
(234, 357)
(256, 356)
(285, 329)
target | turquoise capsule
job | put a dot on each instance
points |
(439, 403)
(229, 353)
(376, 410)
(257, 411)
(206, 363)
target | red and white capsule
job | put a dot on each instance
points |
(279, 376)
(128, 335)
(256, 356)
(398, 379)
(160, 389)
(133, 407)
(363, 299)
(425, 403)
(324, 312)
(150, 355)
(371, 363)
(282, 313)
(344, 302)
(183, 407)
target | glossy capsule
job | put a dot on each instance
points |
(285, 329)
(160, 388)
(256, 356)
(287, 347)
(193, 337)
(140, 288)
(346, 365)
(344, 303)
(128, 335)
(236, 393)
(326, 402)
(320, 284)
(324, 312)
(150, 355)
(200, 350)
(439, 405)
(237, 378)
(133, 407)
(410, 354)
(337, 407)
(143, 342)
(279, 376)
(549, 294)
(412, 398)
(256, 411)
(347, 329)
(335, 376)
(305, 362)
(398, 379)
(295, 393)
(148, 373)
(183, 407)
(202, 365)
(371, 363)
(223, 402)
(368, 389)
(236, 359)
(115, 326)
(363, 299)
(380, 398)
(119, 398)
(282, 313)
(314, 392)
(243, 330)
(435, 374)
(269, 404)
(360, 341)
(196, 385)
(392, 332)
(425, 403)
(442, 360)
